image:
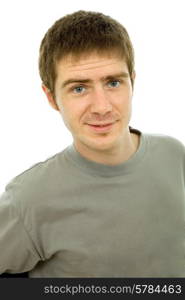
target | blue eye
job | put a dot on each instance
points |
(79, 89)
(114, 83)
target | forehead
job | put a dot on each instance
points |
(91, 64)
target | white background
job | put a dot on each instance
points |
(31, 130)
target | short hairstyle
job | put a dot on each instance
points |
(80, 33)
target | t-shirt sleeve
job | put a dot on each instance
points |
(18, 252)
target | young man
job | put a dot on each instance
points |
(113, 203)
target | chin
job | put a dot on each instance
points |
(101, 145)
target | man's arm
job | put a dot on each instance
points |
(18, 254)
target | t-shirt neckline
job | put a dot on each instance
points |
(99, 169)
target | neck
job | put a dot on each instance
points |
(114, 156)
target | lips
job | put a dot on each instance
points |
(100, 125)
(102, 128)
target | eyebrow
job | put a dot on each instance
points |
(108, 77)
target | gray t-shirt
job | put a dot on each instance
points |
(72, 217)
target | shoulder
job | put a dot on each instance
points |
(38, 179)
(165, 142)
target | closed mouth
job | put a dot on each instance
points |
(100, 125)
(101, 128)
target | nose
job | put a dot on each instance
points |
(100, 102)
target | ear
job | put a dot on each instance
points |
(133, 75)
(133, 78)
(50, 97)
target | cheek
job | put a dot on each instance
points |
(73, 111)
(122, 101)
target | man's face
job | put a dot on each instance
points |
(94, 95)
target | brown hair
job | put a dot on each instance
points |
(79, 33)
